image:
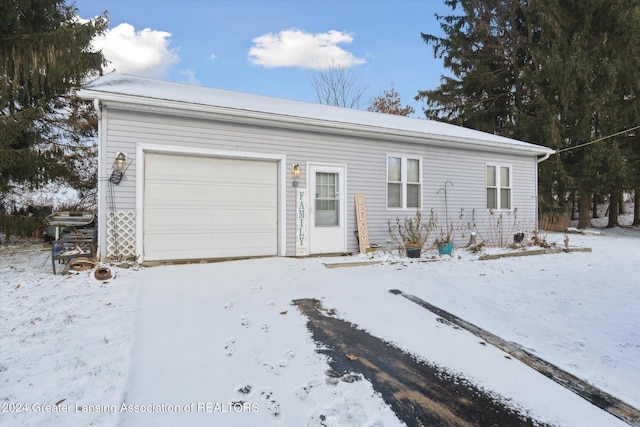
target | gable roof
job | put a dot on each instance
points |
(115, 87)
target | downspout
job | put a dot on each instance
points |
(539, 213)
(101, 192)
(96, 106)
(546, 156)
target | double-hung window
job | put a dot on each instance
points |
(498, 187)
(404, 182)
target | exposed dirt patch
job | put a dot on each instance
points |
(421, 394)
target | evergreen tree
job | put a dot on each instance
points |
(558, 74)
(482, 52)
(593, 69)
(45, 52)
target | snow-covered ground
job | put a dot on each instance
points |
(177, 345)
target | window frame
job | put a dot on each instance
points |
(498, 186)
(328, 200)
(404, 181)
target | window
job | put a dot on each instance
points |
(404, 182)
(327, 199)
(498, 187)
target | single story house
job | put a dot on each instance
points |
(188, 172)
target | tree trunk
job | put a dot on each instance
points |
(573, 205)
(621, 207)
(636, 207)
(594, 213)
(584, 207)
(613, 209)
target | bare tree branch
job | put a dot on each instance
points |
(338, 86)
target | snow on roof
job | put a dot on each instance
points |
(129, 86)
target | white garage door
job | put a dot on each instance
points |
(204, 207)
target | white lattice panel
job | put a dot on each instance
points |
(121, 234)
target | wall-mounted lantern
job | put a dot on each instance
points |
(119, 167)
(295, 171)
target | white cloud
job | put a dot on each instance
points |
(190, 77)
(295, 48)
(212, 56)
(143, 53)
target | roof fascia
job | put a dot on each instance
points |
(164, 106)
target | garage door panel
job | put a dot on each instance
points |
(171, 168)
(182, 245)
(169, 192)
(249, 220)
(236, 170)
(198, 245)
(257, 245)
(178, 219)
(183, 240)
(205, 219)
(245, 194)
(205, 207)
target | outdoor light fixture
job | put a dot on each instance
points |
(119, 166)
(296, 171)
(121, 162)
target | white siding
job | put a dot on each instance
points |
(365, 160)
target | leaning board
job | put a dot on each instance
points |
(361, 218)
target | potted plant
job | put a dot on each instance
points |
(412, 233)
(445, 243)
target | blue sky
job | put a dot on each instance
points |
(272, 47)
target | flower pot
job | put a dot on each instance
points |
(445, 248)
(413, 251)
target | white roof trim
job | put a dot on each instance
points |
(130, 92)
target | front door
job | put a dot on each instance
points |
(327, 228)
